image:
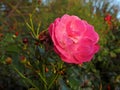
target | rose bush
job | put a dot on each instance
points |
(75, 41)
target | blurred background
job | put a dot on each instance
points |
(102, 73)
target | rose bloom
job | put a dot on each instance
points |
(75, 41)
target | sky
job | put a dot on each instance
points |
(112, 2)
(116, 2)
(99, 3)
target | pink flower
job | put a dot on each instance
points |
(75, 41)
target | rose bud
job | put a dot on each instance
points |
(108, 18)
(16, 33)
(37, 43)
(42, 36)
(23, 59)
(8, 60)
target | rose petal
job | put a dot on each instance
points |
(75, 41)
(91, 34)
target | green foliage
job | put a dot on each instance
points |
(36, 66)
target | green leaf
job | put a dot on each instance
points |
(63, 86)
(41, 50)
(117, 50)
(32, 89)
(112, 54)
(9, 38)
(12, 48)
(74, 83)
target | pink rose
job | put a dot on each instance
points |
(75, 41)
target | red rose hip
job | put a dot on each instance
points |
(25, 40)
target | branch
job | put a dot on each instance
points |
(14, 8)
